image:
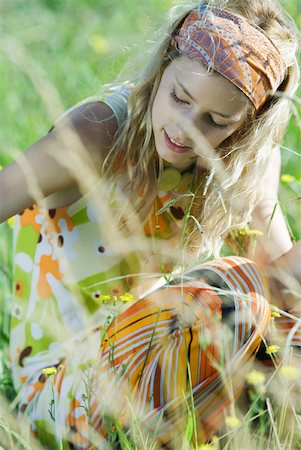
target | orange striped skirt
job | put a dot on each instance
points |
(179, 356)
(182, 352)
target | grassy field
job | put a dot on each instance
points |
(55, 53)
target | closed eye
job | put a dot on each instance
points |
(212, 123)
(208, 117)
(176, 98)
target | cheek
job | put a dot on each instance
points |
(156, 112)
(221, 137)
(216, 136)
(154, 117)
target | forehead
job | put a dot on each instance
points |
(205, 85)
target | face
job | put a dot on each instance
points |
(189, 95)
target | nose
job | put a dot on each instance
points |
(187, 129)
(179, 134)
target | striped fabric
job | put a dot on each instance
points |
(189, 345)
(289, 327)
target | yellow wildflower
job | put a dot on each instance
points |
(253, 233)
(128, 297)
(232, 422)
(256, 378)
(287, 178)
(271, 349)
(49, 371)
(289, 372)
(104, 298)
(11, 221)
(212, 445)
(99, 44)
(215, 442)
(87, 364)
(275, 312)
(246, 231)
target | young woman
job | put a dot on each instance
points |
(117, 206)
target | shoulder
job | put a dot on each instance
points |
(94, 122)
(87, 130)
(95, 115)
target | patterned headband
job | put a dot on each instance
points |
(236, 48)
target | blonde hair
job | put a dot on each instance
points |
(246, 153)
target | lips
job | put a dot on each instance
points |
(174, 146)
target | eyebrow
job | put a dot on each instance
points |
(226, 116)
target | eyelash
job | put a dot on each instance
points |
(208, 116)
(176, 98)
(215, 125)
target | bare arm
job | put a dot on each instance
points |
(77, 143)
(269, 219)
(274, 249)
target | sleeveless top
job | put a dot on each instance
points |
(71, 272)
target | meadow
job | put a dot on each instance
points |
(53, 54)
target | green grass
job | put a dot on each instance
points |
(58, 37)
(53, 54)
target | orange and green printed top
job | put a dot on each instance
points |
(70, 274)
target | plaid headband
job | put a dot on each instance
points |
(236, 48)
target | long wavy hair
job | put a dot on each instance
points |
(229, 200)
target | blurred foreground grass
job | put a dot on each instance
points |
(53, 54)
(75, 46)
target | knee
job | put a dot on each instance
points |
(241, 274)
(252, 304)
(243, 287)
